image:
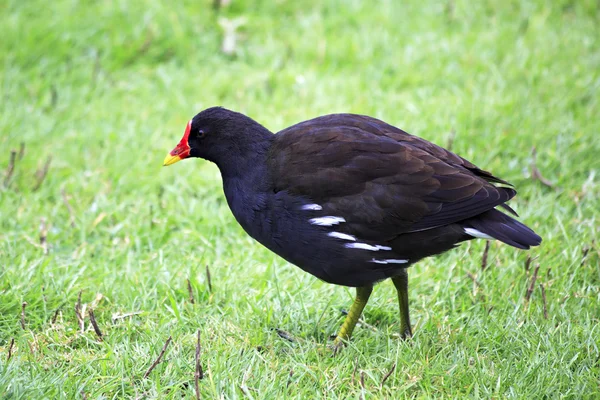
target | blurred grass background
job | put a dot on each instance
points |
(103, 89)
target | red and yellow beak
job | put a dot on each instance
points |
(182, 150)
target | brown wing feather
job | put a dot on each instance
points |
(383, 181)
(377, 127)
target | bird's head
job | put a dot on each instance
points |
(214, 134)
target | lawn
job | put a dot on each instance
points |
(95, 93)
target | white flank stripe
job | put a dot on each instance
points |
(314, 207)
(367, 246)
(477, 234)
(390, 261)
(340, 235)
(361, 246)
(326, 221)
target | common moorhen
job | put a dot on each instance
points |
(349, 198)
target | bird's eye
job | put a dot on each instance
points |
(201, 134)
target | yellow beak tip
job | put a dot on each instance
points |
(169, 159)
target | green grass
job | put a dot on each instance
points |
(105, 88)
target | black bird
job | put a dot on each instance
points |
(349, 198)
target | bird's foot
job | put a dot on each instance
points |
(337, 345)
(406, 333)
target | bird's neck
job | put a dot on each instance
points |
(246, 188)
(246, 157)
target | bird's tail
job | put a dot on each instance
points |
(504, 228)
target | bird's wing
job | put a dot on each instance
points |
(381, 180)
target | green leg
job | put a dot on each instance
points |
(362, 297)
(401, 283)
